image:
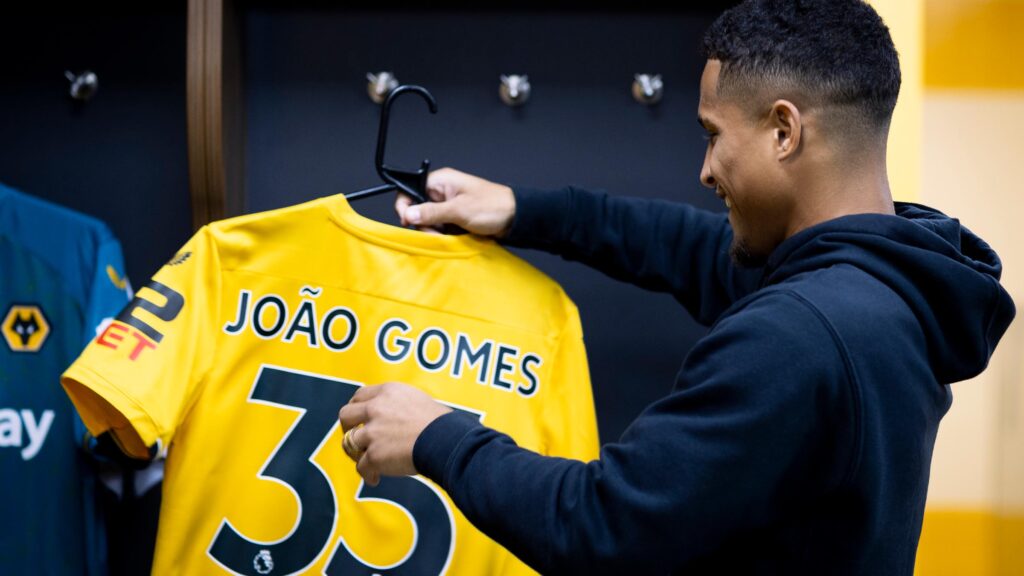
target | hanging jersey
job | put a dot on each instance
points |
(237, 356)
(61, 274)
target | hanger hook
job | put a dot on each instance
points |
(413, 183)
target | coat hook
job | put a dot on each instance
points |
(648, 88)
(380, 85)
(83, 86)
(514, 89)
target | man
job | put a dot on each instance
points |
(798, 436)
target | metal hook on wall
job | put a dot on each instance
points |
(83, 86)
(514, 89)
(379, 85)
(648, 88)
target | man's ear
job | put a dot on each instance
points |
(787, 128)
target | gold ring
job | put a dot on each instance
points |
(348, 443)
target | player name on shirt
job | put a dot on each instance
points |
(499, 365)
(502, 366)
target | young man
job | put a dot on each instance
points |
(798, 436)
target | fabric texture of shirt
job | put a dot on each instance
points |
(237, 356)
(61, 275)
(799, 433)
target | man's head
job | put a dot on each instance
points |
(790, 87)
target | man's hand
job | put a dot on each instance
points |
(392, 417)
(476, 205)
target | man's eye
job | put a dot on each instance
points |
(710, 137)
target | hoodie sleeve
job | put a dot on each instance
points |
(658, 245)
(761, 422)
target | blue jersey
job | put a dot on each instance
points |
(61, 276)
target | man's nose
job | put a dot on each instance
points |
(705, 173)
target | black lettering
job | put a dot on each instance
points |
(464, 353)
(243, 309)
(353, 329)
(527, 360)
(169, 311)
(502, 366)
(308, 328)
(257, 316)
(402, 343)
(421, 349)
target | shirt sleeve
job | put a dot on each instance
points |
(759, 424)
(658, 245)
(137, 377)
(109, 290)
(107, 294)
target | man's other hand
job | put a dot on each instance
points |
(476, 205)
(385, 421)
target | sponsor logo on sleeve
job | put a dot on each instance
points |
(179, 258)
(135, 333)
(121, 282)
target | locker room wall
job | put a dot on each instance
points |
(311, 131)
(120, 157)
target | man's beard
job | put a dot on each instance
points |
(742, 255)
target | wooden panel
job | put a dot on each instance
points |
(215, 139)
(232, 110)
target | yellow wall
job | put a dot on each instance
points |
(905, 19)
(974, 44)
(973, 168)
(957, 143)
(974, 158)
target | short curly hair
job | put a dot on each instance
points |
(826, 52)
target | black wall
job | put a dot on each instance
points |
(312, 132)
(120, 157)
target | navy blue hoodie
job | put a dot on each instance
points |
(798, 436)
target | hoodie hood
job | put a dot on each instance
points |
(948, 276)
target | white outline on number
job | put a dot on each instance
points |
(259, 475)
(415, 531)
(337, 510)
(415, 525)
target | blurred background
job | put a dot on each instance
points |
(207, 109)
(965, 145)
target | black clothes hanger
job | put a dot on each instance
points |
(413, 183)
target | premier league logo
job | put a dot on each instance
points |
(263, 563)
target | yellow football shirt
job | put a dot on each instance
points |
(235, 359)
